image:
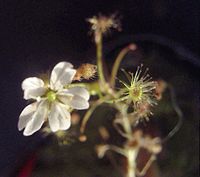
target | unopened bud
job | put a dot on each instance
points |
(75, 118)
(85, 71)
(101, 150)
(104, 133)
(82, 138)
(160, 88)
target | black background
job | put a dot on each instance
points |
(36, 34)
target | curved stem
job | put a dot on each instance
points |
(90, 111)
(118, 61)
(87, 116)
(178, 112)
(121, 132)
(126, 123)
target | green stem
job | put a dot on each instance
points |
(99, 59)
(87, 116)
(118, 61)
(111, 101)
(79, 84)
(89, 113)
(92, 87)
(126, 123)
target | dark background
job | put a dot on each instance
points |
(37, 34)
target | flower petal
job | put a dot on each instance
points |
(34, 93)
(61, 75)
(59, 118)
(38, 119)
(79, 103)
(65, 99)
(80, 91)
(33, 87)
(26, 115)
(32, 83)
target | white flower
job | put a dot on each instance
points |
(53, 100)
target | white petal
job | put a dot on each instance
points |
(59, 118)
(26, 115)
(33, 87)
(38, 119)
(32, 83)
(79, 103)
(61, 75)
(64, 96)
(34, 93)
(65, 99)
(80, 91)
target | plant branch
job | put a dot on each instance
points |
(118, 61)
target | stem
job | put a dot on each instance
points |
(131, 160)
(99, 58)
(92, 87)
(126, 124)
(118, 61)
(88, 115)
(131, 153)
(147, 166)
(117, 149)
(178, 112)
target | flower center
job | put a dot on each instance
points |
(51, 96)
(136, 93)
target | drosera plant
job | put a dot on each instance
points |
(55, 101)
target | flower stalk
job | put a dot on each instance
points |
(131, 162)
(118, 61)
(99, 49)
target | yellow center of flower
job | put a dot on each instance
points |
(136, 93)
(51, 96)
